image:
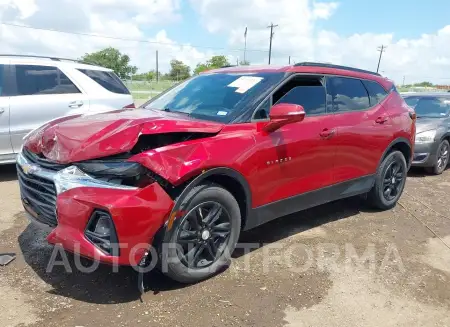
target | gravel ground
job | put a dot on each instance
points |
(340, 264)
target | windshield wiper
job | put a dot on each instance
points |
(175, 111)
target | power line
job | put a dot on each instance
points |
(134, 40)
(271, 26)
(381, 50)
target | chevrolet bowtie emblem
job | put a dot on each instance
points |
(28, 169)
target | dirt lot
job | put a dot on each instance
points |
(317, 274)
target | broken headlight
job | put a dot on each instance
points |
(117, 172)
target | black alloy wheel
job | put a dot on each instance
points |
(392, 181)
(203, 235)
(201, 242)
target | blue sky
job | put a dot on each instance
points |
(406, 19)
(348, 32)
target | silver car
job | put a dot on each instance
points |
(35, 90)
(432, 146)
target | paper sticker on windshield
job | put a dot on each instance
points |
(245, 83)
(222, 113)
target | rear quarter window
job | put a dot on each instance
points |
(107, 80)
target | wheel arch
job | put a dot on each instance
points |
(230, 179)
(446, 136)
(400, 144)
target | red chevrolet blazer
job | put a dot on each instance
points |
(221, 152)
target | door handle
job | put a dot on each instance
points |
(2, 110)
(381, 120)
(75, 104)
(327, 133)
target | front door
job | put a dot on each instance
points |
(296, 158)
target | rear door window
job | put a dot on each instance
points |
(38, 80)
(376, 92)
(107, 80)
(346, 94)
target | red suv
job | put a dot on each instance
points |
(222, 152)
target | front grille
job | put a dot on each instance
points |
(42, 161)
(39, 194)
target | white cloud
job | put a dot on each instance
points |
(117, 18)
(426, 57)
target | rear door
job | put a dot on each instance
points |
(5, 142)
(42, 93)
(361, 136)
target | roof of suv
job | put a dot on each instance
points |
(42, 60)
(309, 68)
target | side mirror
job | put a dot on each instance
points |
(284, 113)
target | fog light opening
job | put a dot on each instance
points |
(101, 232)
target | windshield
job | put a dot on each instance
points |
(218, 96)
(430, 107)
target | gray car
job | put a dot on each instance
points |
(432, 130)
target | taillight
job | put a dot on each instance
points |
(130, 106)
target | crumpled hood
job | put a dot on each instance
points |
(77, 138)
(426, 124)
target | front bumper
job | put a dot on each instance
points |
(137, 213)
(425, 154)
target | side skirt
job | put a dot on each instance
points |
(274, 210)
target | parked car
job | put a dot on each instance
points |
(222, 152)
(34, 90)
(433, 130)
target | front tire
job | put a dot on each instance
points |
(204, 238)
(389, 182)
(442, 157)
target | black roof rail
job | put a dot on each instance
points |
(40, 57)
(318, 64)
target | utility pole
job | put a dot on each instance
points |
(381, 50)
(271, 26)
(237, 61)
(157, 73)
(289, 60)
(403, 80)
(245, 43)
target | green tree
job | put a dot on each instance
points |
(244, 63)
(200, 68)
(178, 70)
(113, 59)
(424, 84)
(217, 62)
(212, 63)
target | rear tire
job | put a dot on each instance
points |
(389, 182)
(206, 236)
(442, 158)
